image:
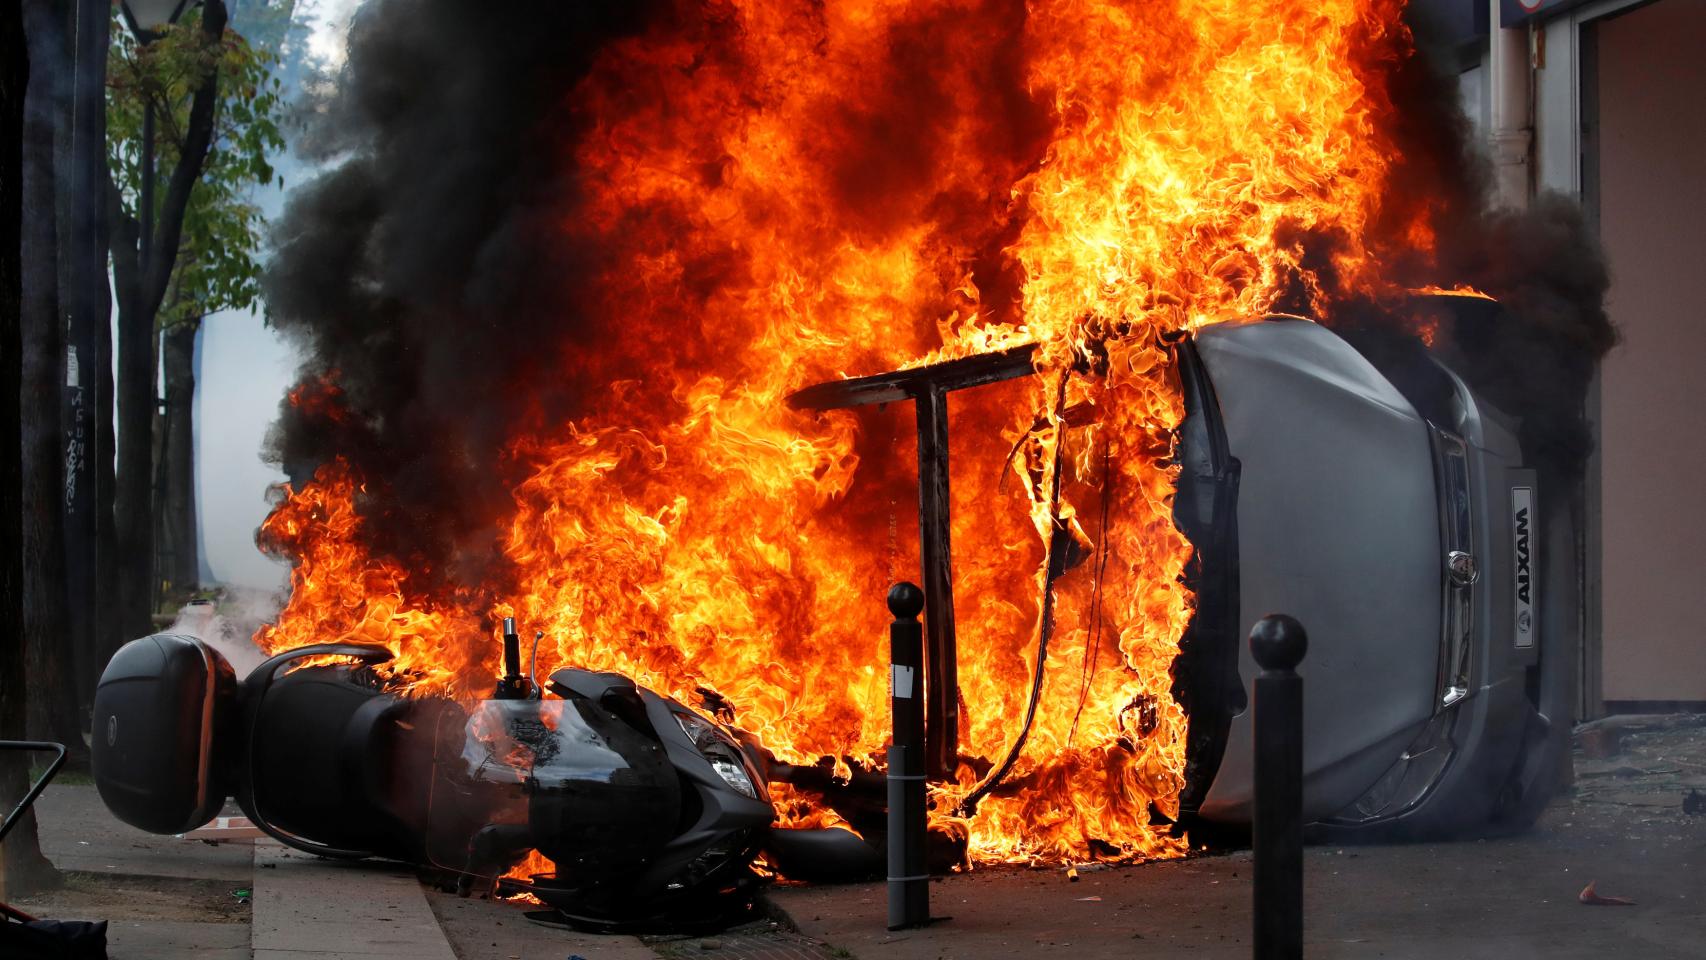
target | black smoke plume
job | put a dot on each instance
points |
(1533, 356)
(422, 276)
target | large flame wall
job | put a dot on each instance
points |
(786, 192)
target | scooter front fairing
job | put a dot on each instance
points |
(563, 777)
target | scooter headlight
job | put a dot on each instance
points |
(734, 775)
(721, 751)
(698, 729)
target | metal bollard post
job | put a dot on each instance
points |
(1278, 643)
(909, 875)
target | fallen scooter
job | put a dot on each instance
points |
(651, 813)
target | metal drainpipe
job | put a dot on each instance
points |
(1510, 74)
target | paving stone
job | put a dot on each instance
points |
(305, 907)
(177, 941)
(77, 832)
(157, 905)
(763, 940)
(479, 929)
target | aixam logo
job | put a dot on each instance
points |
(1522, 536)
(1523, 573)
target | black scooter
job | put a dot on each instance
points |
(652, 813)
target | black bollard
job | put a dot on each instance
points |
(1278, 643)
(909, 876)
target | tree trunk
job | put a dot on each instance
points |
(133, 517)
(142, 284)
(53, 700)
(177, 530)
(24, 866)
(109, 630)
(87, 301)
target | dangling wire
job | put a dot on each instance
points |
(1045, 625)
(1093, 639)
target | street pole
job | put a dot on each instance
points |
(1278, 643)
(908, 873)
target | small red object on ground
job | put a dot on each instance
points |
(1592, 898)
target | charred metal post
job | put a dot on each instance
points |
(928, 389)
(908, 872)
(1278, 643)
(944, 690)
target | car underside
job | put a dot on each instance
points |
(1360, 485)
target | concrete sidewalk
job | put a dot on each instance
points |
(479, 928)
(307, 908)
(163, 898)
(78, 833)
(171, 899)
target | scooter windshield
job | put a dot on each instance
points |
(563, 778)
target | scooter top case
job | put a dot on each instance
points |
(158, 752)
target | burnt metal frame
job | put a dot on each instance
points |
(928, 388)
(36, 746)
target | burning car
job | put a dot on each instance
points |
(1360, 484)
(1375, 496)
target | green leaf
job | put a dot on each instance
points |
(218, 258)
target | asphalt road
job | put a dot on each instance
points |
(1622, 825)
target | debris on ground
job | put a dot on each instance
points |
(760, 938)
(1593, 898)
(128, 898)
(1634, 767)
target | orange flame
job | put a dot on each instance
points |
(1108, 173)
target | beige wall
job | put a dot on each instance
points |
(1652, 174)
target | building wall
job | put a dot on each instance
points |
(1651, 190)
(1557, 101)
